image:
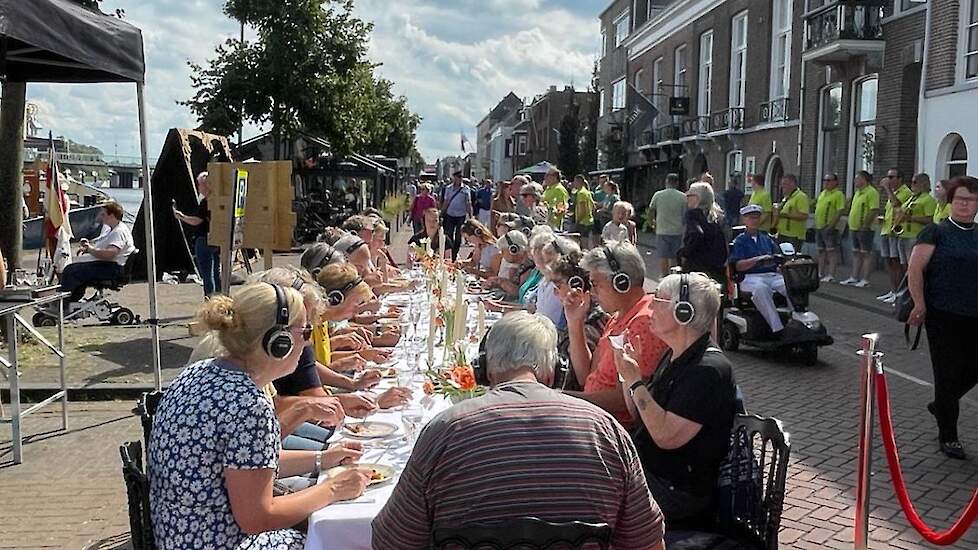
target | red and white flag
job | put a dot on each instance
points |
(57, 227)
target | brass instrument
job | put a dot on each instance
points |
(903, 216)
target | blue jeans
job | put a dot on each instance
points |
(77, 276)
(307, 437)
(208, 259)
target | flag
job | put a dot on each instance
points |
(62, 250)
(55, 201)
(641, 111)
(464, 141)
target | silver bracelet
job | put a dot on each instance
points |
(319, 461)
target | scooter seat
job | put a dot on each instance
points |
(109, 284)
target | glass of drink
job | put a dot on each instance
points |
(411, 418)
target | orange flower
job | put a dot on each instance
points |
(464, 377)
(429, 387)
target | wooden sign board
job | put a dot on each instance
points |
(270, 223)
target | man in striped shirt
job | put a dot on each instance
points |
(521, 450)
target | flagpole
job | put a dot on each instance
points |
(154, 320)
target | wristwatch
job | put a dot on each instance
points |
(319, 461)
(635, 386)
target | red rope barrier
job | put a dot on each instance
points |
(893, 458)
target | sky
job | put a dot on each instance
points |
(452, 59)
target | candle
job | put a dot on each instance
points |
(441, 243)
(443, 284)
(480, 319)
(460, 306)
(432, 329)
(427, 246)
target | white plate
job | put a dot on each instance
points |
(371, 429)
(383, 472)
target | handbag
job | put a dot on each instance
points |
(902, 308)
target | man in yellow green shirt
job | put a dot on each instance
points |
(829, 207)
(583, 210)
(863, 210)
(790, 218)
(892, 247)
(921, 208)
(555, 197)
(760, 196)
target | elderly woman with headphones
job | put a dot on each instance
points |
(215, 446)
(515, 267)
(686, 408)
(617, 274)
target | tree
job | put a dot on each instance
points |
(589, 125)
(568, 153)
(307, 70)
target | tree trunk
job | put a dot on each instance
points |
(12, 171)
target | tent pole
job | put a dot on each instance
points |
(154, 325)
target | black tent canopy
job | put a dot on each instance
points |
(61, 41)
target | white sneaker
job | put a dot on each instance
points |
(890, 300)
(826, 279)
(847, 282)
(885, 297)
(862, 283)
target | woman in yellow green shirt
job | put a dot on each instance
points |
(943, 210)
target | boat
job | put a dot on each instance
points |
(84, 221)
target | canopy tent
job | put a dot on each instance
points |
(61, 41)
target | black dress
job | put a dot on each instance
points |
(704, 246)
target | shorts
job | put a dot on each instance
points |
(862, 241)
(581, 229)
(667, 246)
(895, 248)
(827, 238)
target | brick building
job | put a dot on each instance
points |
(948, 132)
(494, 139)
(735, 63)
(616, 25)
(536, 137)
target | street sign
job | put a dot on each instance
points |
(679, 106)
(239, 197)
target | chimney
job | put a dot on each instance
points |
(553, 88)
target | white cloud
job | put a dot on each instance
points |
(453, 60)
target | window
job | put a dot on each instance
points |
(618, 94)
(864, 121)
(521, 144)
(621, 28)
(905, 5)
(970, 36)
(830, 131)
(704, 98)
(640, 80)
(738, 60)
(508, 151)
(657, 84)
(957, 162)
(679, 74)
(604, 43)
(601, 103)
(735, 165)
(781, 49)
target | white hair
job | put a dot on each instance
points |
(521, 340)
(291, 276)
(629, 260)
(201, 177)
(517, 238)
(540, 236)
(708, 203)
(703, 294)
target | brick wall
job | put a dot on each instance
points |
(943, 47)
(898, 94)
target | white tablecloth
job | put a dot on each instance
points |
(346, 526)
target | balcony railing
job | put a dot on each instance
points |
(646, 138)
(727, 119)
(669, 132)
(774, 111)
(844, 20)
(695, 126)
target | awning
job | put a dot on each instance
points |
(61, 41)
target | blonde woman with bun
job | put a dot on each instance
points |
(485, 257)
(216, 447)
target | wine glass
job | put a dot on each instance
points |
(411, 418)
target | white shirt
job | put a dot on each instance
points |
(548, 303)
(488, 253)
(119, 236)
(614, 232)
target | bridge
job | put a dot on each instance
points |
(123, 171)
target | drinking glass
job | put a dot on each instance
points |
(411, 417)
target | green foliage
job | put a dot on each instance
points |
(308, 71)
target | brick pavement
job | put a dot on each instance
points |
(69, 492)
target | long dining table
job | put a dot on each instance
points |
(346, 525)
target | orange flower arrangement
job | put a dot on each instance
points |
(464, 376)
(428, 387)
(455, 380)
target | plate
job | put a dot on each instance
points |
(388, 372)
(370, 429)
(381, 472)
(617, 341)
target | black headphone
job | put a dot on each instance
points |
(479, 369)
(620, 280)
(683, 311)
(322, 260)
(356, 244)
(336, 296)
(278, 342)
(513, 247)
(580, 280)
(557, 248)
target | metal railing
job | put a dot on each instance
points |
(669, 132)
(774, 111)
(727, 119)
(852, 20)
(695, 126)
(646, 138)
(95, 159)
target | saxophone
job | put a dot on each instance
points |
(903, 217)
